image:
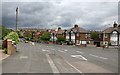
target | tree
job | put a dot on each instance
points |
(28, 35)
(61, 39)
(14, 36)
(4, 31)
(20, 34)
(94, 35)
(46, 36)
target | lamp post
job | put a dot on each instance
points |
(16, 19)
(16, 24)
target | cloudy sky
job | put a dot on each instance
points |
(53, 14)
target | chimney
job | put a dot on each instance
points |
(115, 25)
(75, 26)
(59, 28)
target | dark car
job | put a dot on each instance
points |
(69, 43)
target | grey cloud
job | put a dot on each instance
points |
(89, 15)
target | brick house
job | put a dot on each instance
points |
(36, 33)
(36, 36)
(60, 32)
(78, 35)
(111, 35)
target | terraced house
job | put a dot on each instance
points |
(78, 36)
(111, 35)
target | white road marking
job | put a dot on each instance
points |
(73, 66)
(98, 56)
(80, 52)
(43, 50)
(79, 56)
(23, 57)
(65, 50)
(54, 68)
(52, 49)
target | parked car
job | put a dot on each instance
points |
(69, 43)
(26, 41)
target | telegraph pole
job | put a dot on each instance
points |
(16, 24)
(16, 20)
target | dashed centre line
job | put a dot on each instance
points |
(80, 52)
(98, 56)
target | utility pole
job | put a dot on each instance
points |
(16, 19)
(16, 24)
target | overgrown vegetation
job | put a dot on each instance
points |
(4, 31)
(14, 36)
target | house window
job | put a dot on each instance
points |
(106, 35)
(99, 35)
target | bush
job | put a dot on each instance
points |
(0, 46)
(14, 36)
(45, 37)
(61, 39)
(5, 51)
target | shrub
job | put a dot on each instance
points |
(46, 36)
(61, 39)
(14, 36)
(0, 46)
(5, 51)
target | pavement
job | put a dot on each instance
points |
(45, 58)
(3, 55)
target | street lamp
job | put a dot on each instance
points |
(16, 23)
(16, 18)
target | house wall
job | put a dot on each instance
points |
(82, 36)
(106, 40)
(114, 38)
(59, 35)
(81, 39)
(73, 38)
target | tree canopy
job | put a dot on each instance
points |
(46, 36)
(4, 31)
(12, 35)
(94, 35)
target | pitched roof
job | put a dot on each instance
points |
(78, 29)
(110, 29)
(60, 31)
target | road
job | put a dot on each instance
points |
(45, 58)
